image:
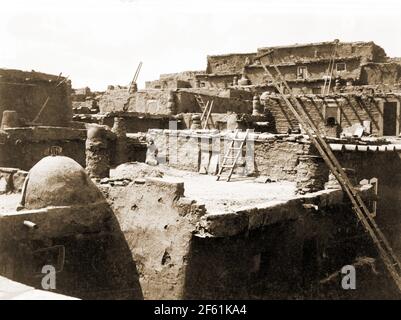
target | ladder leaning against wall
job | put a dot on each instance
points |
(206, 110)
(363, 214)
(233, 154)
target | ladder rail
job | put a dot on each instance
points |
(237, 156)
(204, 110)
(330, 70)
(208, 115)
(226, 155)
(363, 214)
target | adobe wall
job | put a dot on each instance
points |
(316, 71)
(158, 223)
(23, 147)
(160, 245)
(324, 50)
(217, 81)
(26, 93)
(83, 243)
(353, 110)
(186, 79)
(289, 258)
(155, 102)
(381, 73)
(296, 54)
(227, 63)
(386, 166)
(279, 157)
(183, 252)
(113, 99)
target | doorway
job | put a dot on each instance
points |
(390, 119)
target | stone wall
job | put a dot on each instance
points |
(26, 93)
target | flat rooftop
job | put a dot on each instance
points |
(9, 202)
(239, 193)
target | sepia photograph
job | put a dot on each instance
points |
(202, 155)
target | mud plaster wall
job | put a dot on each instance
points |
(155, 102)
(136, 124)
(379, 74)
(274, 156)
(282, 260)
(368, 50)
(26, 93)
(279, 159)
(230, 63)
(22, 148)
(113, 100)
(157, 222)
(315, 71)
(220, 81)
(96, 256)
(233, 63)
(353, 110)
(285, 260)
(186, 79)
(386, 166)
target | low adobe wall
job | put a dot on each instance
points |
(278, 157)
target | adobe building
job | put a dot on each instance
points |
(35, 114)
(304, 66)
(341, 85)
(154, 222)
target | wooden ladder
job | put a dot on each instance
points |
(330, 70)
(206, 109)
(363, 214)
(233, 153)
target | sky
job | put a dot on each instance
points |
(100, 42)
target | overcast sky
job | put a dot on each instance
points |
(100, 42)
